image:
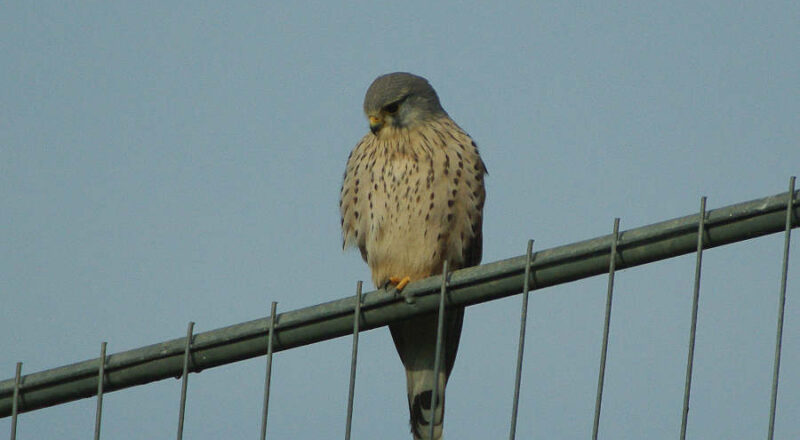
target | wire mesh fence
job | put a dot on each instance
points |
(354, 314)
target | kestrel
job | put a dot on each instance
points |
(412, 198)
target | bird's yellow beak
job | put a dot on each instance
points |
(375, 123)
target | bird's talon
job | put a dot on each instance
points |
(400, 283)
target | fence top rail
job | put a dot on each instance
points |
(332, 319)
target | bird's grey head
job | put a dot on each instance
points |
(400, 100)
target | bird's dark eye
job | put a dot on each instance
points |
(392, 108)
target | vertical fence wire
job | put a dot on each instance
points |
(101, 375)
(185, 378)
(693, 330)
(521, 347)
(268, 375)
(353, 360)
(15, 402)
(606, 325)
(439, 345)
(781, 306)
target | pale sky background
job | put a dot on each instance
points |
(167, 162)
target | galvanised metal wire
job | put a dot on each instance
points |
(353, 361)
(693, 329)
(437, 362)
(100, 379)
(268, 375)
(612, 260)
(185, 378)
(512, 432)
(465, 287)
(15, 403)
(781, 306)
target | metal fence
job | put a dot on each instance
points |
(535, 270)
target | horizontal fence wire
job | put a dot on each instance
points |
(333, 319)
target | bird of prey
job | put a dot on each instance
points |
(412, 198)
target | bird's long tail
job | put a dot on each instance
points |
(415, 340)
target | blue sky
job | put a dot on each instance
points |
(166, 162)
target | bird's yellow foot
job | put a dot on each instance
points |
(399, 283)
